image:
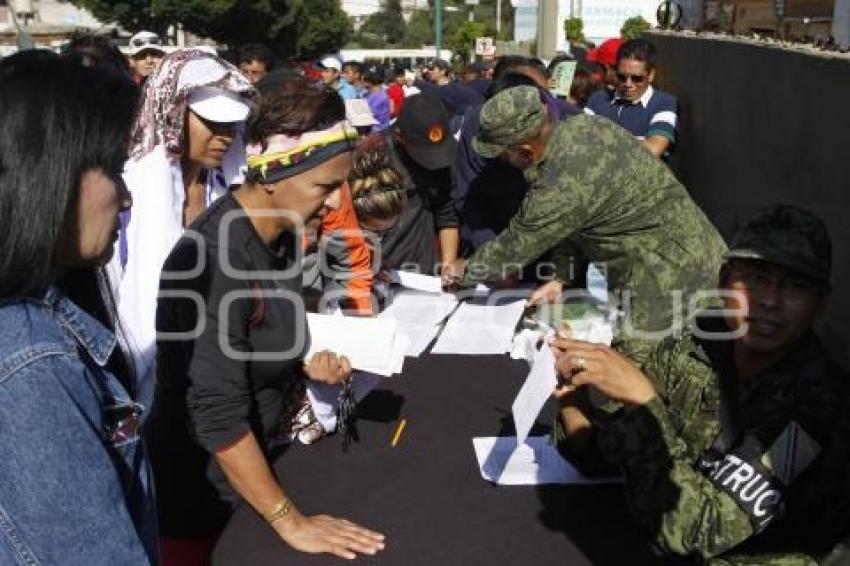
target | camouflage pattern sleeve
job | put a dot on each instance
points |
(685, 512)
(666, 493)
(790, 559)
(546, 218)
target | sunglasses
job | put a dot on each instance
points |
(138, 42)
(636, 79)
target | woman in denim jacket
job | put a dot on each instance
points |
(75, 485)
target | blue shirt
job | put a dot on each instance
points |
(346, 90)
(653, 115)
(76, 485)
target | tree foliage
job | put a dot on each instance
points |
(634, 27)
(295, 28)
(420, 30)
(574, 30)
(387, 23)
(462, 41)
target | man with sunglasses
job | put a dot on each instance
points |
(648, 113)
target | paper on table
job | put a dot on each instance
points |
(419, 336)
(535, 462)
(412, 308)
(366, 342)
(417, 281)
(426, 283)
(395, 363)
(538, 387)
(480, 329)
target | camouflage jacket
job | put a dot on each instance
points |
(598, 191)
(778, 494)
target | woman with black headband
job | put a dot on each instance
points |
(233, 334)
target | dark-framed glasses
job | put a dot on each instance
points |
(636, 79)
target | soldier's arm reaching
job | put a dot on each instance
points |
(547, 217)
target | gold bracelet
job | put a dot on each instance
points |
(280, 511)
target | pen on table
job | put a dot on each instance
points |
(398, 430)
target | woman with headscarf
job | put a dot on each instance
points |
(186, 150)
(233, 336)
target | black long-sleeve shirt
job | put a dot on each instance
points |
(412, 243)
(237, 368)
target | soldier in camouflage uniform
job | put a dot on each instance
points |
(734, 447)
(596, 190)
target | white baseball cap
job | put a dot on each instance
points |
(330, 62)
(218, 105)
(146, 40)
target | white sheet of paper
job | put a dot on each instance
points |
(395, 363)
(417, 281)
(535, 462)
(480, 329)
(597, 283)
(425, 283)
(366, 342)
(597, 330)
(419, 336)
(538, 387)
(413, 308)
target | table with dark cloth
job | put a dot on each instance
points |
(427, 495)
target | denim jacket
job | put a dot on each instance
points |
(75, 484)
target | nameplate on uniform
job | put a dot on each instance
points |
(755, 478)
(740, 475)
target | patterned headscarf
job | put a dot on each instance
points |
(163, 107)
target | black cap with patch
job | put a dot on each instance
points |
(423, 129)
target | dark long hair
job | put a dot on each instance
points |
(59, 119)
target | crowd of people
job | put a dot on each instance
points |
(169, 218)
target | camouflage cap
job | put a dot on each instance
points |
(512, 116)
(788, 236)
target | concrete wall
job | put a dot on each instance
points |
(761, 125)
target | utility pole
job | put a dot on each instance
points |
(438, 26)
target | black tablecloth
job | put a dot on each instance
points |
(427, 494)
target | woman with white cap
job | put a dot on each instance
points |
(185, 151)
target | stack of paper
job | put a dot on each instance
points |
(480, 329)
(370, 344)
(418, 316)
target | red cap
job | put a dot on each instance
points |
(606, 53)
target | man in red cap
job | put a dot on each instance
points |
(606, 56)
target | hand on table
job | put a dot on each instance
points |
(452, 272)
(614, 375)
(548, 293)
(327, 367)
(325, 534)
